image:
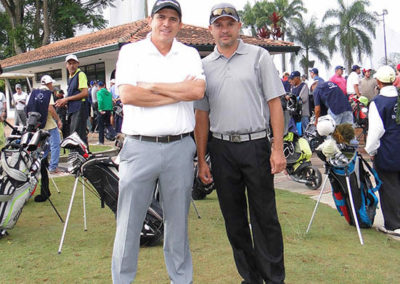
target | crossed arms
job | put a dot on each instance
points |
(159, 94)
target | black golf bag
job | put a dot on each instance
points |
(201, 190)
(102, 174)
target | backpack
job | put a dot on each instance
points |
(363, 192)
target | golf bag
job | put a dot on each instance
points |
(102, 174)
(201, 190)
(363, 192)
(19, 171)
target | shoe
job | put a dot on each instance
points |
(40, 198)
(99, 143)
(56, 171)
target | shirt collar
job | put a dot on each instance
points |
(389, 91)
(43, 87)
(77, 70)
(241, 49)
(154, 50)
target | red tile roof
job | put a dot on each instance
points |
(191, 35)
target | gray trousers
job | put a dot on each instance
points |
(20, 117)
(142, 163)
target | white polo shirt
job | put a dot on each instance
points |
(352, 80)
(18, 98)
(142, 62)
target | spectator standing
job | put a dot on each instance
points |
(41, 100)
(105, 106)
(396, 82)
(242, 98)
(62, 113)
(3, 117)
(300, 89)
(338, 79)
(20, 101)
(285, 81)
(368, 85)
(382, 145)
(76, 98)
(314, 75)
(158, 78)
(94, 104)
(353, 82)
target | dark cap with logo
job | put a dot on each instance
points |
(223, 10)
(294, 74)
(162, 4)
(314, 70)
(339, 67)
(355, 67)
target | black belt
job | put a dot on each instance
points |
(160, 139)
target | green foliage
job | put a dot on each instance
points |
(6, 49)
(329, 253)
(351, 30)
(64, 18)
(310, 37)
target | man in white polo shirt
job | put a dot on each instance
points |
(353, 82)
(20, 101)
(158, 78)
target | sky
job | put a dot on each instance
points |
(196, 12)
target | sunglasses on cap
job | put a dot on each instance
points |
(224, 11)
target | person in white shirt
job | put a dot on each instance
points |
(3, 116)
(20, 101)
(353, 82)
(382, 145)
(158, 80)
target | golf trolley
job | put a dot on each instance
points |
(99, 173)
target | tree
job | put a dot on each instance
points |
(352, 30)
(261, 16)
(34, 23)
(311, 38)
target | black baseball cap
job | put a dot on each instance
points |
(162, 4)
(223, 10)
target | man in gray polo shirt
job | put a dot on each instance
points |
(242, 94)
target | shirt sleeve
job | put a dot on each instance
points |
(197, 65)
(202, 104)
(271, 84)
(375, 130)
(83, 84)
(304, 94)
(51, 100)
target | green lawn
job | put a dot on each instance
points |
(330, 253)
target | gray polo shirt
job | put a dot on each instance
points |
(238, 89)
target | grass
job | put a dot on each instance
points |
(330, 253)
(93, 149)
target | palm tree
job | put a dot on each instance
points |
(352, 30)
(311, 38)
(259, 16)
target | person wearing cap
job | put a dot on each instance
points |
(338, 79)
(368, 85)
(158, 80)
(105, 106)
(328, 97)
(76, 98)
(382, 145)
(285, 81)
(242, 98)
(20, 100)
(41, 100)
(94, 106)
(300, 89)
(314, 75)
(396, 82)
(353, 82)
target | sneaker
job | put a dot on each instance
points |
(56, 171)
(395, 232)
(99, 143)
(40, 198)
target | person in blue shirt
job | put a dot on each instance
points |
(330, 96)
(314, 75)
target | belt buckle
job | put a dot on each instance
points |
(235, 138)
